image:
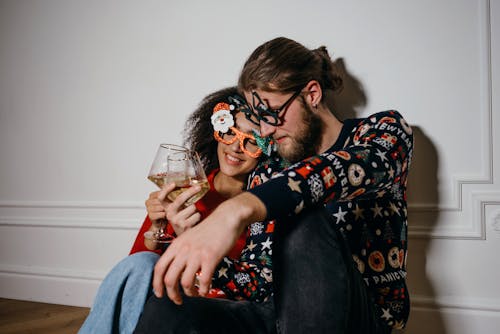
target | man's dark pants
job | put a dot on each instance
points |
(317, 290)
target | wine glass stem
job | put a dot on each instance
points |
(161, 229)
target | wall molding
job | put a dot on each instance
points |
(458, 303)
(486, 93)
(471, 226)
(482, 200)
(49, 272)
(127, 216)
(475, 227)
(48, 285)
(85, 278)
(93, 215)
(496, 222)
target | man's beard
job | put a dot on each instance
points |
(308, 137)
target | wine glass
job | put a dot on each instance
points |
(157, 175)
(184, 168)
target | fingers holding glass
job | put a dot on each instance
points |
(157, 175)
(186, 170)
(176, 170)
(180, 217)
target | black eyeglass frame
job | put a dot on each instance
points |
(260, 111)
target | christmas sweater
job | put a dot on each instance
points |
(361, 180)
(250, 276)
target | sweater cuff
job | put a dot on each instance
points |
(276, 196)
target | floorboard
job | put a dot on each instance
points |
(24, 317)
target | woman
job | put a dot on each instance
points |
(229, 152)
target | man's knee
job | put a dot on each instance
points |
(310, 230)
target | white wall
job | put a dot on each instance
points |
(88, 89)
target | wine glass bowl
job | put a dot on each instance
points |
(184, 168)
(159, 168)
(179, 165)
(157, 175)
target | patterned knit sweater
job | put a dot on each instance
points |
(361, 180)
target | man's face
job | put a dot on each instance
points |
(299, 129)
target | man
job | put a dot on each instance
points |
(340, 242)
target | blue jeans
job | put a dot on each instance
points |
(121, 296)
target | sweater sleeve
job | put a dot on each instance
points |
(249, 276)
(374, 157)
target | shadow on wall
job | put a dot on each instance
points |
(351, 97)
(422, 189)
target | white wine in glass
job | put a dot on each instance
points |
(185, 170)
(157, 175)
(159, 168)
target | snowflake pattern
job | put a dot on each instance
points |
(242, 278)
(256, 228)
(316, 187)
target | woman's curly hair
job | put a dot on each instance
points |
(199, 132)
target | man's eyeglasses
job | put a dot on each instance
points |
(261, 112)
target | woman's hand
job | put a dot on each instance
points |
(157, 216)
(179, 217)
(155, 205)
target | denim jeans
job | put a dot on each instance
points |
(121, 296)
(317, 289)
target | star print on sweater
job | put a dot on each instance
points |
(361, 180)
(250, 277)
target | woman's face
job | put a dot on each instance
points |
(232, 160)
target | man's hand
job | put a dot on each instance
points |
(201, 248)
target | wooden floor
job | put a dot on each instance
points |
(29, 317)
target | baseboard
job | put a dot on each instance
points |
(428, 315)
(48, 289)
(455, 320)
